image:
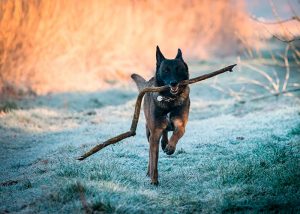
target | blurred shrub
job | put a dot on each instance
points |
(62, 45)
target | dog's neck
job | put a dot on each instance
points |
(168, 103)
(166, 100)
(161, 98)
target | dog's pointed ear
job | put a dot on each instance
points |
(159, 56)
(179, 55)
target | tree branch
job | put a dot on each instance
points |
(297, 18)
(279, 22)
(137, 110)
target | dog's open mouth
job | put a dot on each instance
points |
(174, 90)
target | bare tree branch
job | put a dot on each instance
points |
(297, 18)
(276, 94)
(137, 110)
(285, 40)
(279, 22)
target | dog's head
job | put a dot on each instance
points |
(171, 71)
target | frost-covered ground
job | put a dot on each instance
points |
(234, 157)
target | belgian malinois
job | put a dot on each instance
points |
(165, 111)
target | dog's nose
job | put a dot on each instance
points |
(173, 83)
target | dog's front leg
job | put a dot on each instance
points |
(153, 159)
(179, 129)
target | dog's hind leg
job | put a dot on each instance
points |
(147, 132)
(148, 136)
(164, 139)
(148, 169)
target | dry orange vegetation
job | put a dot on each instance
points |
(240, 151)
(55, 46)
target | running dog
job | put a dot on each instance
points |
(165, 111)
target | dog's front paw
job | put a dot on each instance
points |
(169, 150)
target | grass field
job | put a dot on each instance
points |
(238, 154)
(65, 86)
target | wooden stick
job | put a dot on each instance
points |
(137, 110)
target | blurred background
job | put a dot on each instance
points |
(72, 45)
(65, 86)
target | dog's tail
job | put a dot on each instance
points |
(139, 81)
